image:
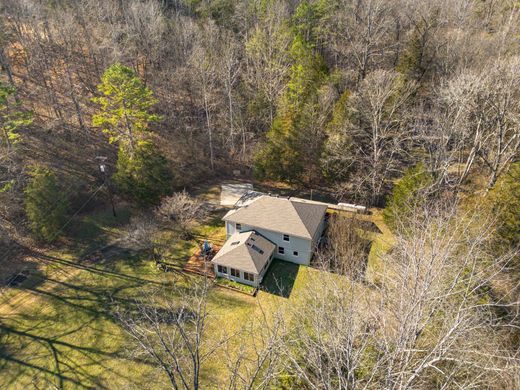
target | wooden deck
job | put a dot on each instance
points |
(201, 265)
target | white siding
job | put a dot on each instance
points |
(301, 245)
(258, 279)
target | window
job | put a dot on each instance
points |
(281, 250)
(248, 276)
(238, 226)
(295, 253)
(257, 249)
(235, 273)
(222, 269)
(286, 237)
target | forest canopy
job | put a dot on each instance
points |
(410, 108)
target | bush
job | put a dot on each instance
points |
(144, 176)
(45, 205)
(181, 210)
(407, 194)
(505, 198)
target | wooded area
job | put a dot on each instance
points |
(408, 105)
(341, 94)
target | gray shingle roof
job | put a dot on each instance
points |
(247, 251)
(281, 215)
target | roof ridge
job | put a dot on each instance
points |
(279, 214)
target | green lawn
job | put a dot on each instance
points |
(57, 329)
(280, 278)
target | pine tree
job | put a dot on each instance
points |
(144, 176)
(412, 62)
(505, 197)
(125, 105)
(45, 204)
(292, 145)
(337, 159)
(12, 118)
(407, 194)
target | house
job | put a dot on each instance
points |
(288, 229)
(244, 258)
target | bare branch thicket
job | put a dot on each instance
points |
(381, 135)
(346, 249)
(478, 123)
(433, 321)
(180, 211)
(169, 327)
(255, 354)
(361, 35)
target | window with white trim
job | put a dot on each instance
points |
(248, 276)
(281, 250)
(235, 273)
(222, 269)
(295, 253)
(286, 237)
(238, 226)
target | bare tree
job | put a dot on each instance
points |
(143, 234)
(230, 75)
(346, 250)
(381, 134)
(268, 61)
(169, 326)
(181, 210)
(431, 320)
(258, 363)
(480, 119)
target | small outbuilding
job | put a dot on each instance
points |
(244, 258)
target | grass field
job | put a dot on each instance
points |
(57, 328)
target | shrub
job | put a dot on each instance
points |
(407, 194)
(45, 204)
(144, 176)
(181, 210)
(505, 198)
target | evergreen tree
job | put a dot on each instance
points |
(307, 17)
(412, 62)
(505, 198)
(293, 144)
(144, 176)
(337, 158)
(125, 105)
(407, 194)
(45, 204)
(11, 119)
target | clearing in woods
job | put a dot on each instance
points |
(57, 327)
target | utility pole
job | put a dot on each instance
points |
(103, 170)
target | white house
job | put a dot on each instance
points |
(293, 228)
